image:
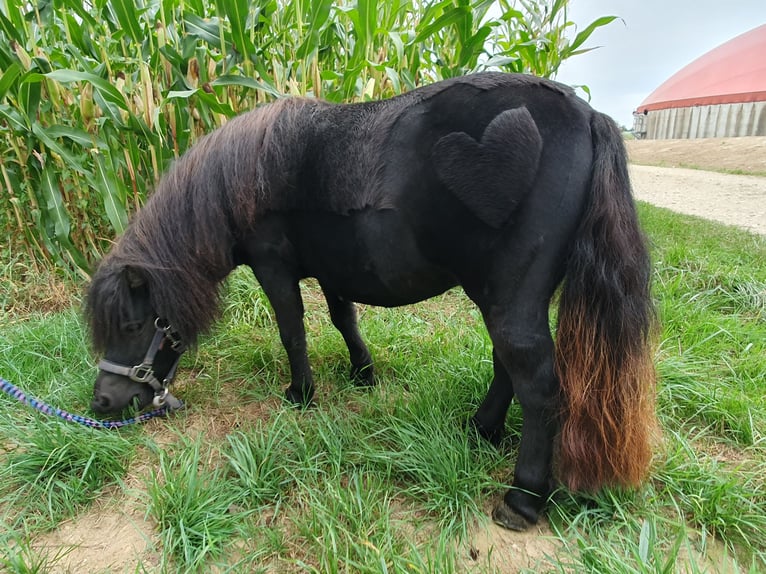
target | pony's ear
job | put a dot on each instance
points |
(134, 277)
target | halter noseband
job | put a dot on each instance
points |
(144, 373)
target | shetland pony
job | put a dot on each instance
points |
(507, 185)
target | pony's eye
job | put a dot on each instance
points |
(133, 327)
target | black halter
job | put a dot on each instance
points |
(144, 372)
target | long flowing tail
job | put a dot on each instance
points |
(605, 327)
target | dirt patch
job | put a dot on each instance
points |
(492, 548)
(745, 155)
(114, 535)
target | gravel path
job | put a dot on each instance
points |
(733, 199)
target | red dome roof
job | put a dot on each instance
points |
(731, 73)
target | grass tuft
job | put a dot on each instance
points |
(52, 470)
(193, 505)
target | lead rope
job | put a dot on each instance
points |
(37, 404)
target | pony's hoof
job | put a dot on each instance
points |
(299, 399)
(506, 517)
(363, 376)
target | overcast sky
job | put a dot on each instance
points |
(655, 39)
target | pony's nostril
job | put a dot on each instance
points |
(101, 402)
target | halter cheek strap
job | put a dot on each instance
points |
(144, 372)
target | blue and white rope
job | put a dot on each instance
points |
(22, 397)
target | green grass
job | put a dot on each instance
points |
(192, 504)
(389, 479)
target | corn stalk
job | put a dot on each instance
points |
(97, 98)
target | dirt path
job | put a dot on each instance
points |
(660, 177)
(733, 199)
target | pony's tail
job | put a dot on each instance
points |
(606, 324)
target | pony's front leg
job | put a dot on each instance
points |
(343, 315)
(526, 350)
(283, 292)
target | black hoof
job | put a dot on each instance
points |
(299, 399)
(508, 518)
(363, 376)
(493, 436)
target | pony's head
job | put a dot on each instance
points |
(159, 285)
(140, 349)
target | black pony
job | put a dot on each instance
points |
(506, 185)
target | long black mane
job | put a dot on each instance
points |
(181, 241)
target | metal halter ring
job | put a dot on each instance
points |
(160, 398)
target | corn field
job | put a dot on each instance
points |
(97, 97)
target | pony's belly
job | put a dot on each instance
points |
(369, 257)
(398, 287)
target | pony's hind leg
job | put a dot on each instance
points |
(343, 315)
(489, 420)
(524, 345)
(283, 292)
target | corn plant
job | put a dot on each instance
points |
(96, 98)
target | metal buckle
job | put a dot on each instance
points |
(175, 341)
(142, 373)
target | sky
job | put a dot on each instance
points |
(652, 41)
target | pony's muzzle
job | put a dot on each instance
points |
(115, 393)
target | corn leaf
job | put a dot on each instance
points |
(109, 93)
(8, 79)
(112, 193)
(15, 119)
(129, 19)
(237, 11)
(583, 36)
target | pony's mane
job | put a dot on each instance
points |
(181, 241)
